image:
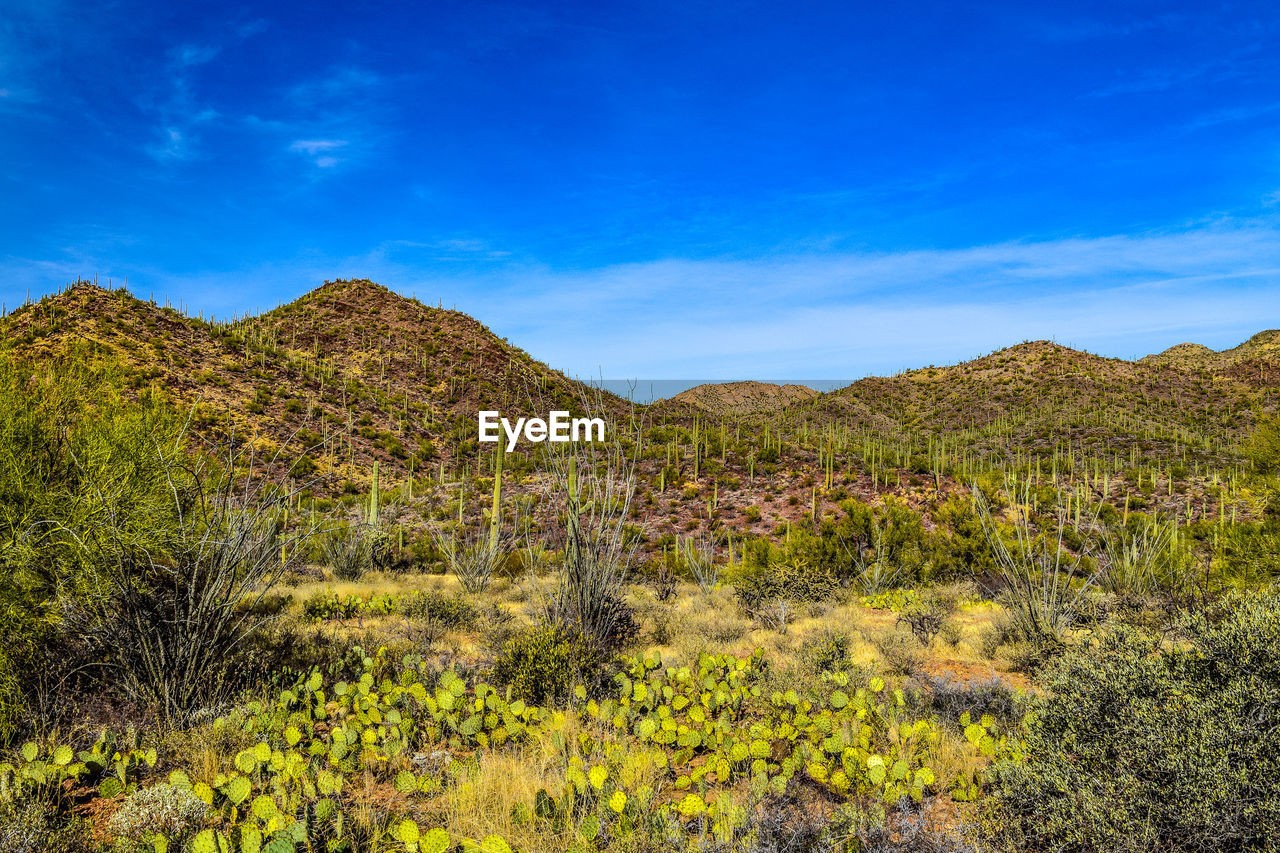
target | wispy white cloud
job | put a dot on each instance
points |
(321, 152)
(189, 55)
(849, 314)
(334, 87)
(805, 316)
(14, 98)
(332, 119)
(178, 110)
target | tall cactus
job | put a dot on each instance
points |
(496, 516)
(373, 498)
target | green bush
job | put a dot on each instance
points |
(451, 611)
(1263, 446)
(1135, 747)
(349, 552)
(80, 461)
(543, 663)
(826, 652)
(791, 579)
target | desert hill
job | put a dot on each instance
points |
(1029, 397)
(351, 372)
(731, 399)
(1262, 347)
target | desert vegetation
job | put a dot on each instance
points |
(262, 590)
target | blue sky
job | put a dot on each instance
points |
(665, 190)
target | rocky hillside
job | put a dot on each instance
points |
(349, 374)
(1259, 351)
(734, 399)
(1031, 396)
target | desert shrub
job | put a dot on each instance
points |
(348, 551)
(1248, 553)
(960, 547)
(161, 809)
(387, 552)
(33, 827)
(450, 611)
(879, 546)
(269, 605)
(170, 619)
(158, 580)
(787, 823)
(614, 619)
(697, 555)
(1001, 632)
(1138, 747)
(1045, 581)
(474, 555)
(776, 614)
(899, 651)
(724, 630)
(826, 652)
(663, 630)
(949, 698)
(1263, 446)
(663, 582)
(280, 649)
(76, 456)
(789, 579)
(1146, 557)
(951, 633)
(927, 615)
(1005, 637)
(543, 663)
(595, 484)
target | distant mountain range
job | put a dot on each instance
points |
(374, 376)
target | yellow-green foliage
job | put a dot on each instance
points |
(11, 700)
(541, 663)
(332, 605)
(679, 745)
(1263, 447)
(76, 453)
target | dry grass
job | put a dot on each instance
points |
(490, 789)
(690, 623)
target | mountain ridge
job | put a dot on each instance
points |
(351, 368)
(369, 375)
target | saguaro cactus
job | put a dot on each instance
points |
(496, 516)
(373, 498)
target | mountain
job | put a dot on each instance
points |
(1262, 347)
(1038, 394)
(351, 373)
(733, 399)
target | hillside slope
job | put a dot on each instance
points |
(1263, 347)
(350, 373)
(1031, 396)
(733, 399)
